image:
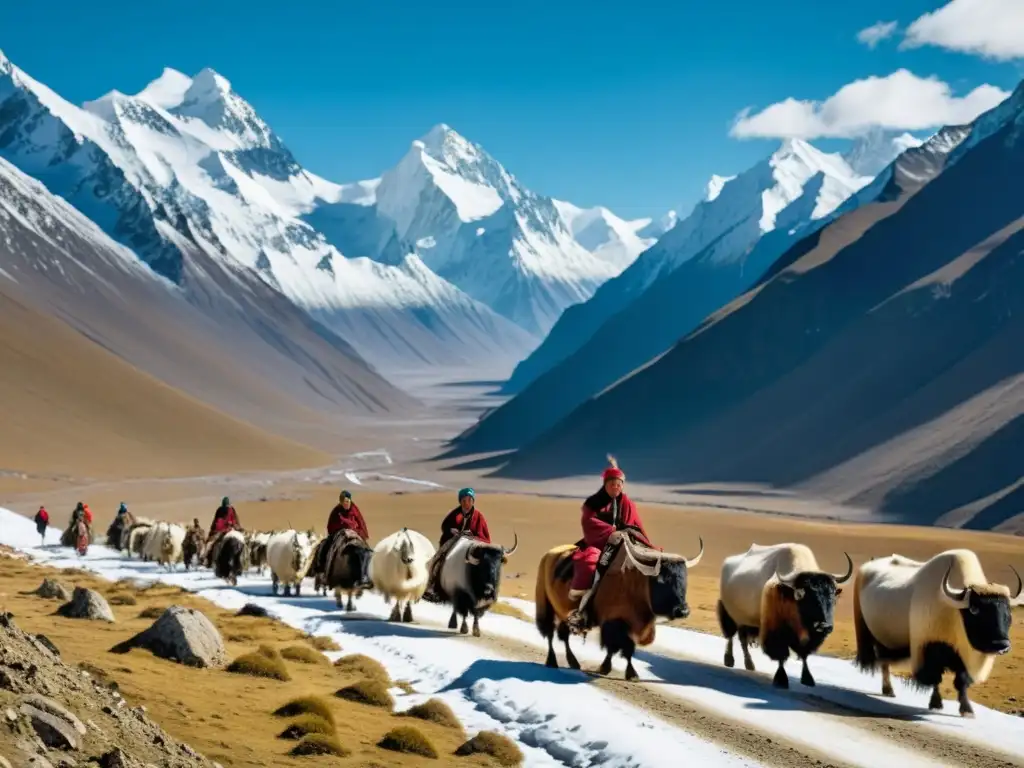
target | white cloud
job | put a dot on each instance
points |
(876, 33)
(900, 101)
(991, 28)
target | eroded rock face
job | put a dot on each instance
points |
(55, 732)
(184, 635)
(87, 604)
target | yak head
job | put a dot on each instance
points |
(815, 594)
(985, 610)
(667, 575)
(483, 563)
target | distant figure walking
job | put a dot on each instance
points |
(42, 519)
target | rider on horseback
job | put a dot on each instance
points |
(606, 516)
(465, 519)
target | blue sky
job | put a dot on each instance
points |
(628, 105)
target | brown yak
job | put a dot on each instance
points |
(640, 585)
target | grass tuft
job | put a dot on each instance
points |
(322, 643)
(408, 739)
(122, 598)
(434, 711)
(319, 744)
(304, 725)
(371, 692)
(261, 664)
(306, 705)
(304, 654)
(251, 609)
(153, 612)
(501, 748)
(504, 609)
(359, 665)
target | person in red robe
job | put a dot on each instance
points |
(42, 521)
(344, 517)
(464, 520)
(224, 519)
(604, 517)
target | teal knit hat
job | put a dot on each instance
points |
(467, 492)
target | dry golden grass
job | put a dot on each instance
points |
(122, 598)
(303, 725)
(501, 748)
(358, 665)
(373, 693)
(153, 612)
(322, 643)
(320, 744)
(303, 654)
(504, 609)
(434, 711)
(261, 664)
(410, 740)
(307, 705)
(224, 716)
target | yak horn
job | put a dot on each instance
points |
(694, 560)
(849, 572)
(515, 545)
(470, 559)
(958, 599)
(650, 571)
(788, 581)
(1018, 599)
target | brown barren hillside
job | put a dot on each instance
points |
(67, 406)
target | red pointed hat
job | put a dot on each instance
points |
(613, 470)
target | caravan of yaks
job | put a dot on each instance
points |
(922, 618)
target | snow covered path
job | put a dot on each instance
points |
(688, 705)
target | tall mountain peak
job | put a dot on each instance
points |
(872, 151)
(168, 90)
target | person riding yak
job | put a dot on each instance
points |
(42, 520)
(344, 517)
(224, 519)
(606, 516)
(464, 520)
(122, 520)
(78, 534)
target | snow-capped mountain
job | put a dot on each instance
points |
(187, 163)
(608, 237)
(796, 183)
(524, 255)
(874, 150)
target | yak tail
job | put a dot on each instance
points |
(544, 610)
(867, 657)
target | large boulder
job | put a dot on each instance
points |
(51, 707)
(51, 588)
(86, 604)
(181, 634)
(55, 732)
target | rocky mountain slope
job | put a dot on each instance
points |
(747, 222)
(879, 362)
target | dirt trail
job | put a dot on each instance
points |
(742, 738)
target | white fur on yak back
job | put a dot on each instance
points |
(289, 555)
(394, 578)
(164, 543)
(137, 538)
(901, 602)
(744, 577)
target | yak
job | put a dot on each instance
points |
(778, 596)
(907, 611)
(192, 546)
(398, 570)
(347, 568)
(289, 555)
(471, 577)
(640, 585)
(232, 557)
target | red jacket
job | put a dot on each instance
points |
(597, 520)
(475, 525)
(224, 520)
(88, 514)
(351, 519)
(42, 516)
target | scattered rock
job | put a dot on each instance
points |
(251, 609)
(115, 758)
(5, 763)
(55, 732)
(51, 588)
(86, 604)
(53, 708)
(181, 634)
(11, 715)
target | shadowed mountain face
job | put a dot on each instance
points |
(221, 335)
(870, 366)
